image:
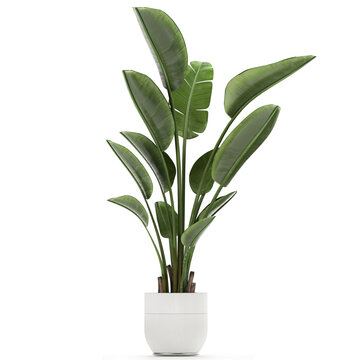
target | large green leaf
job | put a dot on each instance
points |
(246, 86)
(193, 97)
(218, 204)
(133, 205)
(242, 143)
(166, 43)
(152, 106)
(149, 151)
(163, 218)
(192, 234)
(135, 168)
(196, 173)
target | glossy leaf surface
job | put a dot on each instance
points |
(249, 84)
(192, 234)
(166, 44)
(193, 97)
(133, 205)
(242, 143)
(163, 218)
(152, 156)
(218, 204)
(152, 106)
(135, 168)
(197, 172)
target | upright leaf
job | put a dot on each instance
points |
(218, 204)
(192, 234)
(163, 218)
(246, 86)
(133, 205)
(193, 97)
(152, 106)
(166, 43)
(135, 168)
(149, 151)
(196, 173)
(242, 143)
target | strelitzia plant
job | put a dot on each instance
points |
(177, 118)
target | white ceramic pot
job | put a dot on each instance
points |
(175, 324)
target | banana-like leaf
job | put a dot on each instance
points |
(152, 106)
(135, 168)
(133, 205)
(149, 151)
(180, 126)
(246, 86)
(163, 218)
(166, 44)
(242, 143)
(192, 234)
(193, 97)
(196, 173)
(218, 204)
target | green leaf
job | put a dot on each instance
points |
(196, 173)
(193, 97)
(166, 43)
(180, 126)
(192, 234)
(218, 204)
(163, 218)
(242, 143)
(133, 205)
(249, 84)
(152, 106)
(151, 153)
(135, 168)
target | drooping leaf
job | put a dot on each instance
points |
(163, 219)
(135, 168)
(193, 97)
(218, 204)
(192, 234)
(246, 86)
(149, 151)
(133, 205)
(152, 106)
(166, 44)
(242, 143)
(196, 173)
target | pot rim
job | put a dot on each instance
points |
(183, 293)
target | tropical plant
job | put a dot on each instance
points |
(183, 114)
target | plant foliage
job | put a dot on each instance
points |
(182, 112)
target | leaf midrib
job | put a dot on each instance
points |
(247, 148)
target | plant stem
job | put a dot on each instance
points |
(158, 255)
(177, 271)
(164, 273)
(183, 177)
(172, 241)
(195, 208)
(171, 276)
(190, 281)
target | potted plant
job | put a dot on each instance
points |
(176, 316)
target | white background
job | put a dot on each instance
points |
(281, 261)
